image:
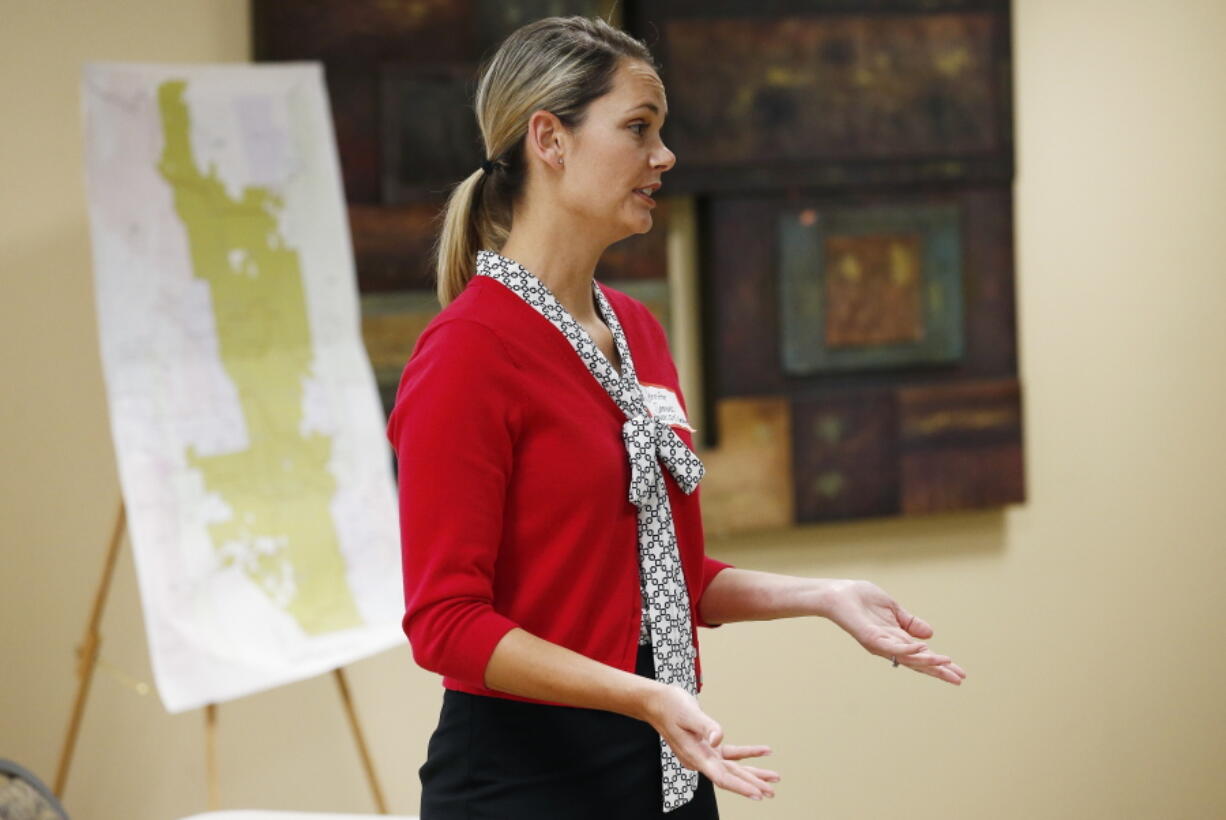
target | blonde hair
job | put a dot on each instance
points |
(559, 64)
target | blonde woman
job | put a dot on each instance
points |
(553, 556)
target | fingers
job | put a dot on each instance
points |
(722, 774)
(740, 779)
(921, 659)
(913, 625)
(889, 646)
(901, 647)
(741, 752)
(748, 774)
(943, 668)
(952, 672)
(946, 674)
(716, 763)
(763, 774)
(694, 750)
(729, 781)
(917, 656)
(925, 659)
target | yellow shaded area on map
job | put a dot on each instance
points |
(281, 533)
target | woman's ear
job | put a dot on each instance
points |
(545, 138)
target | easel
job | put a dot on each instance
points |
(87, 658)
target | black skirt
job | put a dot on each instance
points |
(497, 758)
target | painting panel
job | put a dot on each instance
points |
(961, 446)
(430, 136)
(345, 31)
(748, 480)
(827, 94)
(844, 86)
(869, 441)
(495, 19)
(961, 478)
(845, 455)
(869, 288)
(742, 290)
(392, 246)
(355, 118)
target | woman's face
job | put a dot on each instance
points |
(617, 150)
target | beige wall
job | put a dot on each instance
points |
(1089, 619)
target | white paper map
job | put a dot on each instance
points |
(247, 426)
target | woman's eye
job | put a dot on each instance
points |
(642, 125)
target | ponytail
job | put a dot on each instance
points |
(459, 240)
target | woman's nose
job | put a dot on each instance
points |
(665, 159)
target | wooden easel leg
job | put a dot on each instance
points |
(87, 655)
(371, 778)
(210, 756)
(87, 660)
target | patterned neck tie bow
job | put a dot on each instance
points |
(648, 438)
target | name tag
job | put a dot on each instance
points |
(663, 404)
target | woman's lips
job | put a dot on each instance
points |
(645, 198)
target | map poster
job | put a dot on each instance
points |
(247, 427)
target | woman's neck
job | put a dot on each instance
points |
(561, 255)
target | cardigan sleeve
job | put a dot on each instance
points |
(453, 428)
(710, 568)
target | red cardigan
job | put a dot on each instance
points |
(513, 489)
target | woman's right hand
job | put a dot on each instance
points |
(697, 740)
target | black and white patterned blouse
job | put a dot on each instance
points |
(651, 445)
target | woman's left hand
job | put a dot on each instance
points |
(884, 628)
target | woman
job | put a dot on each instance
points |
(553, 557)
